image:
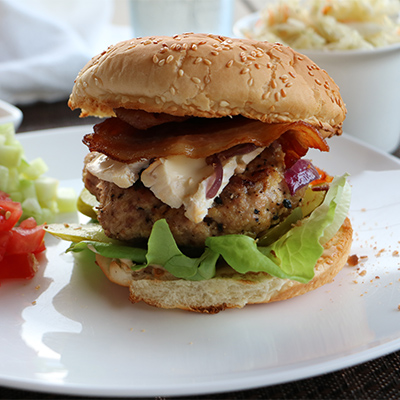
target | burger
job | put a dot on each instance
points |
(204, 198)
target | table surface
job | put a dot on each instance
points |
(376, 379)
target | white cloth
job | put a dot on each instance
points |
(45, 43)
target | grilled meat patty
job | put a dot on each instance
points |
(251, 203)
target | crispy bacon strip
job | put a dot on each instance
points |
(194, 138)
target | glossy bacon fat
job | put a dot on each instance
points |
(198, 138)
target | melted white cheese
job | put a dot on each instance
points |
(175, 180)
(179, 180)
(123, 175)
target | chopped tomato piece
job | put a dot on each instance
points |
(25, 240)
(4, 196)
(4, 238)
(28, 223)
(10, 213)
(18, 266)
(18, 244)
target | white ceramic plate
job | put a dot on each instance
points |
(10, 113)
(71, 331)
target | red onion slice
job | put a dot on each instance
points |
(218, 172)
(300, 174)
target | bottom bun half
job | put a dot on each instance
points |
(228, 289)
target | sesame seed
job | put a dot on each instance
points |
(283, 93)
(258, 66)
(289, 84)
(197, 60)
(292, 74)
(269, 65)
(243, 48)
(310, 73)
(273, 84)
(214, 53)
(245, 71)
(169, 58)
(155, 59)
(229, 64)
(284, 78)
(161, 62)
(172, 90)
(196, 80)
(142, 100)
(185, 46)
(8, 214)
(223, 103)
(194, 47)
(276, 96)
(250, 82)
(207, 61)
(202, 42)
(207, 79)
(181, 72)
(266, 95)
(318, 82)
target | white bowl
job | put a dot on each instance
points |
(369, 82)
(10, 113)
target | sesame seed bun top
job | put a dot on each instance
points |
(210, 76)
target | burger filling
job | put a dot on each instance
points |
(239, 190)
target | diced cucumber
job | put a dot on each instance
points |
(39, 196)
(13, 180)
(16, 196)
(10, 156)
(7, 132)
(32, 208)
(27, 189)
(35, 169)
(46, 217)
(66, 200)
(4, 176)
(46, 189)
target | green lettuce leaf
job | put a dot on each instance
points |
(163, 250)
(111, 250)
